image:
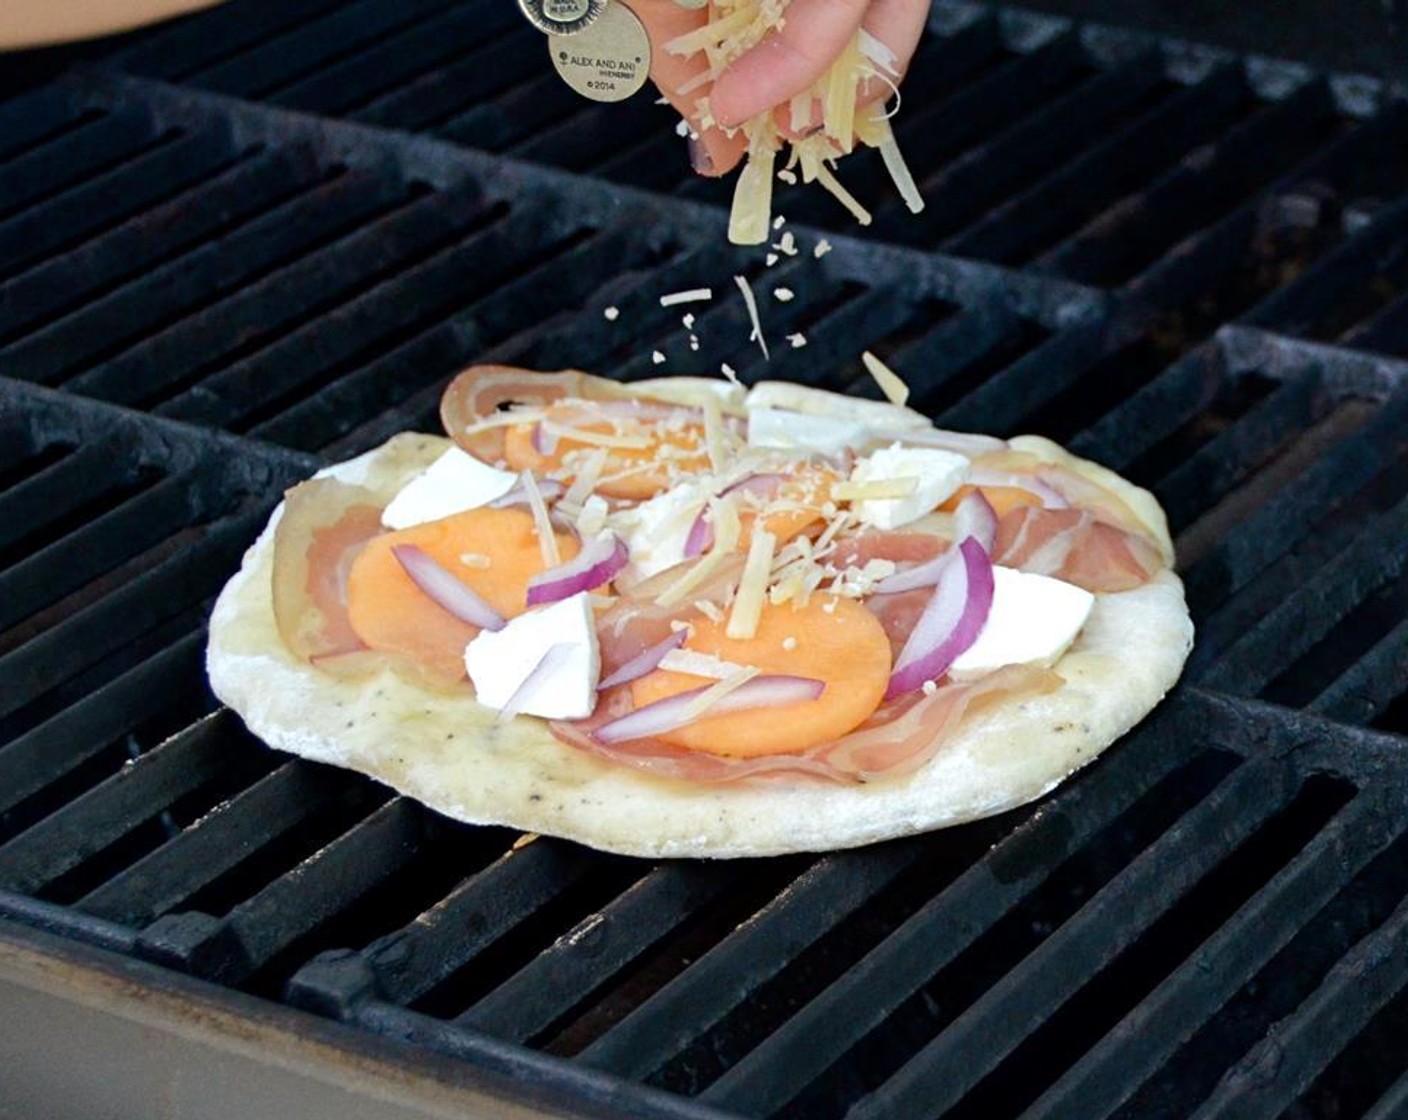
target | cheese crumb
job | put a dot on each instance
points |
(611, 314)
(657, 357)
(797, 340)
(770, 259)
(783, 295)
(788, 177)
(475, 560)
(929, 687)
(822, 248)
(694, 342)
(688, 320)
(778, 222)
(728, 371)
(789, 643)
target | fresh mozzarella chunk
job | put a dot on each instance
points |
(455, 482)
(1033, 621)
(936, 474)
(798, 431)
(500, 660)
(657, 530)
(817, 402)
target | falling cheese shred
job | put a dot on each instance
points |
(693, 295)
(891, 384)
(752, 304)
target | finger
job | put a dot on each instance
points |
(713, 153)
(787, 61)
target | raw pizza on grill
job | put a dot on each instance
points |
(678, 618)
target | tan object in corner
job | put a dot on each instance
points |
(38, 23)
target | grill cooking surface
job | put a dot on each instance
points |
(246, 244)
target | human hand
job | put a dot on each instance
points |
(785, 63)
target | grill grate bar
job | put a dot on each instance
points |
(820, 898)
(1226, 461)
(1394, 1102)
(256, 178)
(1136, 232)
(178, 49)
(587, 957)
(1297, 306)
(820, 1033)
(1028, 223)
(176, 583)
(297, 904)
(108, 812)
(35, 116)
(103, 544)
(1147, 1037)
(370, 361)
(1284, 1063)
(263, 245)
(85, 475)
(964, 189)
(482, 909)
(1281, 522)
(152, 176)
(73, 156)
(972, 1046)
(48, 752)
(1368, 686)
(1005, 401)
(260, 71)
(392, 60)
(1377, 557)
(1181, 274)
(489, 68)
(255, 818)
(162, 362)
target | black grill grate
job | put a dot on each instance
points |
(1186, 264)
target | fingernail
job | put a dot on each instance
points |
(699, 157)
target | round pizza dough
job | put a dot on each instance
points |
(448, 752)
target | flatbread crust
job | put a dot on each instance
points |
(447, 752)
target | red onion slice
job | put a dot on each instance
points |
(665, 715)
(701, 533)
(974, 519)
(547, 665)
(597, 563)
(645, 661)
(446, 589)
(951, 622)
(544, 441)
(549, 488)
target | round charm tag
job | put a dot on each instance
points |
(607, 61)
(562, 17)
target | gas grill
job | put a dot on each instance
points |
(243, 245)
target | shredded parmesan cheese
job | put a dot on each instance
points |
(752, 303)
(475, 560)
(891, 384)
(597, 439)
(547, 539)
(509, 419)
(714, 441)
(702, 664)
(881, 488)
(752, 587)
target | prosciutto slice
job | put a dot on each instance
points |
(1072, 545)
(324, 525)
(898, 738)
